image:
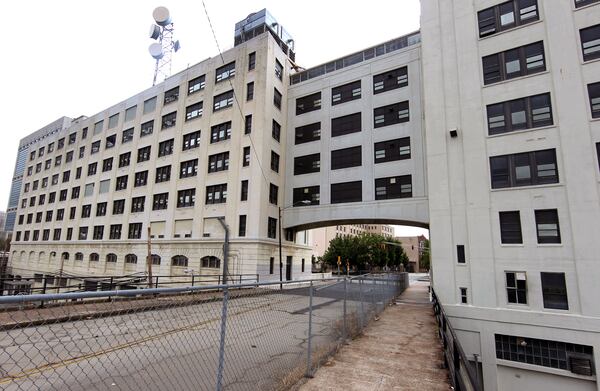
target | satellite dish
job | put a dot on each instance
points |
(154, 31)
(156, 51)
(161, 16)
(176, 46)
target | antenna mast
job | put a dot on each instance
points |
(162, 51)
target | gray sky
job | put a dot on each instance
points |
(79, 57)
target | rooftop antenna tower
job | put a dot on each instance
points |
(162, 51)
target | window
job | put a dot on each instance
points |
(124, 159)
(113, 121)
(137, 204)
(95, 147)
(143, 154)
(250, 91)
(273, 194)
(188, 168)
(244, 191)
(516, 287)
(89, 190)
(274, 161)
(242, 227)
(111, 258)
(49, 214)
(169, 120)
(57, 161)
(60, 214)
(104, 186)
(38, 217)
(83, 231)
(107, 164)
(307, 164)
(546, 222)
(141, 178)
(56, 234)
(271, 265)
(590, 42)
(62, 196)
(92, 168)
(554, 291)
(121, 183)
(171, 96)
(308, 103)
(54, 179)
(391, 114)
(524, 169)
(248, 124)
(390, 80)
(391, 150)
(251, 61)
(303, 196)
(72, 139)
(98, 126)
(510, 228)
(165, 148)
(246, 157)
(60, 144)
(278, 70)
(521, 61)
(130, 258)
(524, 113)
(51, 145)
(308, 133)
(581, 3)
(460, 253)
(191, 140)
(135, 232)
(179, 260)
(594, 94)
(506, 16)
(186, 198)
(115, 232)
(216, 194)
(74, 193)
(225, 72)
(346, 192)
(130, 114)
(101, 209)
(193, 111)
(345, 158)
(86, 211)
(218, 162)
(111, 141)
(196, 84)
(47, 164)
(463, 295)
(69, 236)
(393, 187)
(149, 105)
(72, 212)
(220, 132)
(98, 235)
(345, 125)
(277, 98)
(272, 228)
(146, 129)
(210, 262)
(163, 174)
(345, 93)
(160, 201)
(276, 130)
(155, 259)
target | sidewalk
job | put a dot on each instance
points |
(401, 351)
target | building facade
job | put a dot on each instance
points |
(322, 236)
(414, 247)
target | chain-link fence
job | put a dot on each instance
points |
(234, 337)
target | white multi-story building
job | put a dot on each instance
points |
(322, 236)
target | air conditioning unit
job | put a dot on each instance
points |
(206, 235)
(581, 364)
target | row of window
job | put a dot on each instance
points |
(546, 223)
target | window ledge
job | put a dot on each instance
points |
(585, 62)
(509, 245)
(528, 187)
(521, 131)
(511, 29)
(540, 368)
(575, 9)
(550, 245)
(592, 119)
(517, 78)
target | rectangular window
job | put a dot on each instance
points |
(72, 139)
(546, 222)
(169, 120)
(278, 70)
(124, 159)
(92, 168)
(127, 136)
(277, 98)
(345, 158)
(391, 114)
(220, 132)
(62, 196)
(74, 193)
(248, 124)
(165, 148)
(115, 231)
(118, 207)
(390, 80)
(163, 174)
(60, 214)
(273, 194)
(225, 72)
(98, 126)
(121, 183)
(393, 187)
(507, 15)
(554, 291)
(143, 154)
(244, 191)
(218, 162)
(223, 101)
(68, 157)
(95, 147)
(101, 209)
(347, 124)
(521, 61)
(57, 232)
(274, 161)
(308, 133)
(98, 232)
(104, 186)
(186, 198)
(160, 201)
(272, 228)
(149, 105)
(57, 161)
(510, 227)
(271, 265)
(188, 168)
(49, 214)
(463, 296)
(141, 179)
(191, 140)
(250, 91)
(60, 144)
(345, 93)
(147, 128)
(242, 226)
(130, 114)
(524, 169)
(251, 61)
(81, 153)
(460, 253)
(590, 42)
(196, 84)
(392, 150)
(346, 192)
(135, 231)
(516, 287)
(113, 121)
(107, 164)
(171, 96)
(69, 233)
(83, 231)
(307, 164)
(594, 94)
(308, 103)
(193, 111)
(524, 113)
(303, 196)
(276, 130)
(137, 204)
(216, 194)
(89, 190)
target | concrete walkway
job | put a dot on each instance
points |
(400, 351)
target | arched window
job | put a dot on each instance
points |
(94, 257)
(65, 256)
(179, 260)
(79, 256)
(41, 256)
(130, 258)
(155, 259)
(111, 258)
(31, 255)
(211, 262)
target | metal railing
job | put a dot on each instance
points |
(462, 374)
(219, 337)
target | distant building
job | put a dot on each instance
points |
(413, 246)
(322, 236)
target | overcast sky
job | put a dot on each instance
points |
(77, 58)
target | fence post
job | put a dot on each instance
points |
(362, 304)
(310, 309)
(222, 340)
(345, 332)
(192, 278)
(156, 285)
(44, 290)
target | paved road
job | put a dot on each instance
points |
(178, 348)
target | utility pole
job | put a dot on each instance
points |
(149, 259)
(280, 256)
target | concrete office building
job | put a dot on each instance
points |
(322, 236)
(414, 247)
